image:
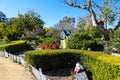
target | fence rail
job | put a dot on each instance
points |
(19, 59)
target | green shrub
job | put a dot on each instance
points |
(102, 66)
(14, 46)
(95, 33)
(79, 41)
(83, 41)
(51, 59)
(116, 35)
(112, 47)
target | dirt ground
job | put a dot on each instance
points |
(13, 71)
(61, 74)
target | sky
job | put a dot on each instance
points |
(51, 11)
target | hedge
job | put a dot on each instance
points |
(51, 59)
(102, 66)
(13, 46)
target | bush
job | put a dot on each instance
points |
(13, 46)
(112, 47)
(51, 59)
(95, 33)
(78, 41)
(83, 41)
(116, 36)
(102, 66)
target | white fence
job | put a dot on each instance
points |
(19, 59)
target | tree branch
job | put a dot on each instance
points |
(76, 6)
(99, 7)
(89, 3)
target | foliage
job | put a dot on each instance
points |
(14, 46)
(102, 66)
(105, 7)
(53, 33)
(112, 47)
(116, 36)
(4, 30)
(50, 59)
(67, 23)
(31, 44)
(31, 24)
(3, 17)
(95, 33)
(26, 26)
(86, 39)
(84, 22)
(82, 40)
(107, 13)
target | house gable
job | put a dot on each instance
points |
(65, 34)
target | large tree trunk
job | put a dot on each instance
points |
(88, 7)
(99, 24)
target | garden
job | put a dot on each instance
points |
(58, 48)
(98, 62)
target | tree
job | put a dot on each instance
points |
(3, 17)
(53, 33)
(117, 17)
(94, 33)
(28, 25)
(88, 5)
(84, 23)
(67, 23)
(106, 12)
(116, 35)
(5, 30)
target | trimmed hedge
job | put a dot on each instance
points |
(51, 59)
(13, 46)
(102, 66)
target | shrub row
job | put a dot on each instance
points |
(13, 46)
(51, 59)
(102, 66)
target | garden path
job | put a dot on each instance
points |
(13, 71)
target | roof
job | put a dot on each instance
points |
(67, 32)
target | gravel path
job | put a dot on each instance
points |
(13, 71)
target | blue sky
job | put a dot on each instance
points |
(51, 11)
